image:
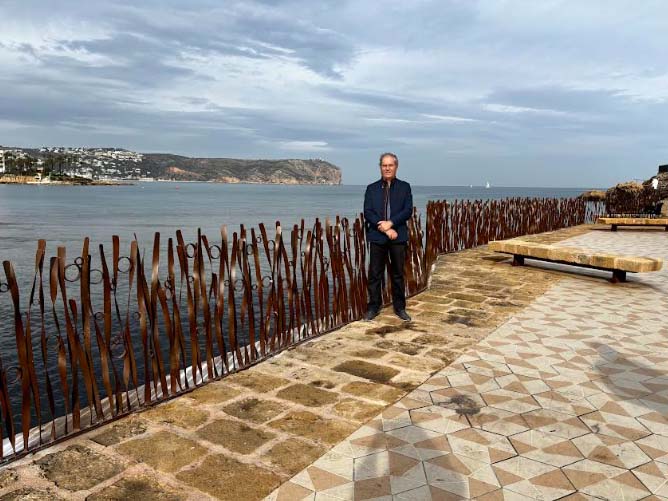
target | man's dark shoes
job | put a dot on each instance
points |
(370, 315)
(403, 315)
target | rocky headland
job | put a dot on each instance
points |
(230, 170)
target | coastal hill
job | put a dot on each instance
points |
(116, 164)
(230, 170)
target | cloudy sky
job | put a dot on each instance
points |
(520, 93)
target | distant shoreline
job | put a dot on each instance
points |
(133, 182)
(63, 183)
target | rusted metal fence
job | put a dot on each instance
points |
(111, 332)
(463, 224)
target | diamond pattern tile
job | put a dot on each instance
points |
(546, 448)
(610, 450)
(606, 481)
(532, 479)
(461, 476)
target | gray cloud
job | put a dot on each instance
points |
(557, 93)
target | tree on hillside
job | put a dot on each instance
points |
(10, 162)
(48, 163)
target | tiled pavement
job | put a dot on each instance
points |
(568, 399)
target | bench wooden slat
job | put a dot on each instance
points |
(633, 221)
(615, 222)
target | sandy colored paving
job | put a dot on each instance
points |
(244, 436)
(568, 399)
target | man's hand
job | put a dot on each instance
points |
(384, 226)
(391, 234)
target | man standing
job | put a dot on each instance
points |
(388, 204)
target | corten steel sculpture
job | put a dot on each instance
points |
(104, 335)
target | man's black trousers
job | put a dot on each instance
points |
(377, 256)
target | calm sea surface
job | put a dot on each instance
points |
(64, 215)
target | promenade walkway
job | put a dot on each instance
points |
(511, 383)
(568, 399)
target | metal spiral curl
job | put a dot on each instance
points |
(124, 259)
(17, 376)
(99, 279)
(218, 249)
(194, 250)
(70, 267)
(117, 342)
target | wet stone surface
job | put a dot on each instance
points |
(239, 481)
(214, 393)
(234, 435)
(7, 478)
(294, 454)
(309, 425)
(177, 413)
(254, 409)
(367, 370)
(163, 451)
(140, 488)
(307, 395)
(28, 494)
(356, 410)
(78, 468)
(123, 430)
(373, 391)
(257, 381)
(401, 347)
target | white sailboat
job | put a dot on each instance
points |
(487, 185)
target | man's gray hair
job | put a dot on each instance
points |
(388, 154)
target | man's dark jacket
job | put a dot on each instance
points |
(401, 209)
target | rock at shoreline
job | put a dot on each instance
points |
(664, 208)
(661, 193)
(624, 198)
(593, 196)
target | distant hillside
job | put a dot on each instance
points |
(230, 170)
(120, 164)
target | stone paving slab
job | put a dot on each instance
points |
(246, 435)
(567, 399)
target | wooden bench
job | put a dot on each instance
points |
(614, 222)
(619, 265)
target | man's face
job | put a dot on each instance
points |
(388, 168)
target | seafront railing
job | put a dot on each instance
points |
(111, 332)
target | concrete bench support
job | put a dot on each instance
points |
(618, 276)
